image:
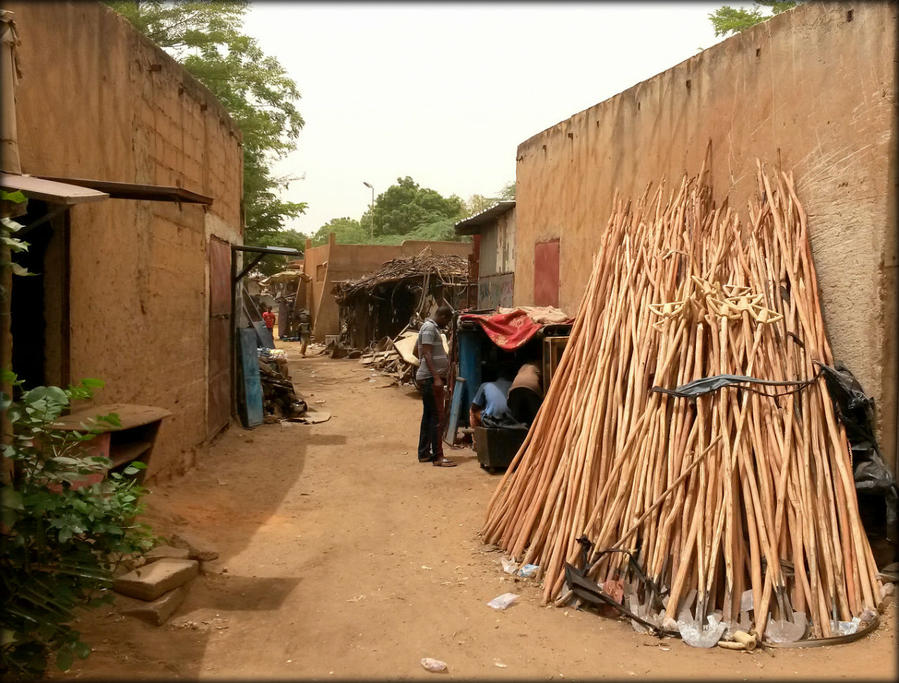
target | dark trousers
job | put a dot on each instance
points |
(430, 442)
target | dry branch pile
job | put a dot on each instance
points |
(446, 269)
(736, 490)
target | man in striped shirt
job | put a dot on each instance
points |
(431, 380)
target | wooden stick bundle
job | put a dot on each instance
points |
(730, 491)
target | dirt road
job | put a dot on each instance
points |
(343, 557)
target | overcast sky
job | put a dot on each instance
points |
(445, 92)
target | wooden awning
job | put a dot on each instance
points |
(153, 193)
(50, 191)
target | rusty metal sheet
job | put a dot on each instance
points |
(546, 273)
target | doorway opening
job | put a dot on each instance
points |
(39, 302)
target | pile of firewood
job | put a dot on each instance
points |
(720, 499)
(279, 398)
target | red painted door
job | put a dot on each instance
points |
(218, 404)
(546, 273)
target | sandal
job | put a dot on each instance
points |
(444, 462)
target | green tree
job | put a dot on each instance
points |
(207, 39)
(440, 230)
(508, 191)
(346, 231)
(477, 203)
(66, 529)
(731, 20)
(282, 238)
(405, 206)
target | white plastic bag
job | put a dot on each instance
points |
(435, 666)
(503, 601)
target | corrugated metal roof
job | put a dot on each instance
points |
(283, 251)
(473, 224)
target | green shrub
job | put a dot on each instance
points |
(62, 539)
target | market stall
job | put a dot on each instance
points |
(522, 344)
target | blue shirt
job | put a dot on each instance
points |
(491, 397)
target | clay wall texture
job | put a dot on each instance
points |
(98, 100)
(330, 263)
(815, 86)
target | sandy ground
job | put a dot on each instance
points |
(343, 557)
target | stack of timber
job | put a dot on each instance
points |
(279, 397)
(740, 500)
(392, 357)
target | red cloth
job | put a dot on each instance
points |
(269, 319)
(507, 330)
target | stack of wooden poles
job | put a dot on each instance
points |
(732, 491)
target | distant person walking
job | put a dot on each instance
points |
(431, 379)
(268, 317)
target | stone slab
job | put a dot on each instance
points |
(151, 581)
(166, 551)
(156, 612)
(195, 547)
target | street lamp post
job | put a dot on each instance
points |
(371, 216)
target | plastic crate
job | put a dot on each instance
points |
(497, 447)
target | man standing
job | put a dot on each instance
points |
(431, 379)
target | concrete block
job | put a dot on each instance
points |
(166, 551)
(151, 581)
(197, 549)
(156, 612)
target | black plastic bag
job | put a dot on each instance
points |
(855, 410)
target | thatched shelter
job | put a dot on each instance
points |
(400, 293)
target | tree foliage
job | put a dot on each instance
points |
(508, 191)
(63, 536)
(477, 203)
(282, 238)
(407, 211)
(405, 206)
(346, 231)
(731, 20)
(207, 39)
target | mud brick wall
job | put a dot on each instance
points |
(98, 100)
(816, 87)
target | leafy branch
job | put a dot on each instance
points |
(732, 20)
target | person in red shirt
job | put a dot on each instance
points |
(268, 317)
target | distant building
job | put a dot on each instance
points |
(494, 253)
(330, 263)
